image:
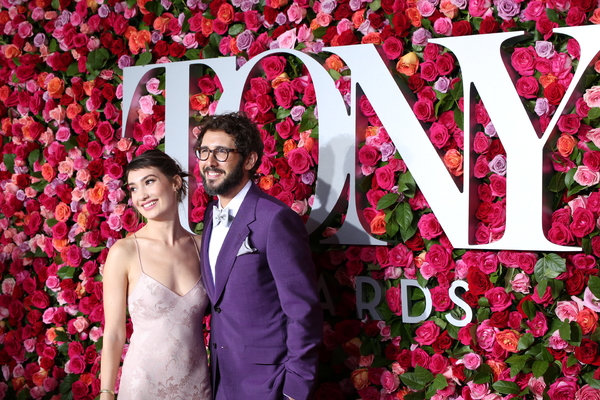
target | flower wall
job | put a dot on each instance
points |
(535, 330)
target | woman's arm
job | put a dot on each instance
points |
(115, 281)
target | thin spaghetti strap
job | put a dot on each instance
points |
(196, 246)
(138, 251)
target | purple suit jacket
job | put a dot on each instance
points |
(266, 322)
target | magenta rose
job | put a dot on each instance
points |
(445, 63)
(528, 87)
(385, 177)
(586, 392)
(284, 95)
(498, 298)
(563, 388)
(76, 364)
(300, 161)
(393, 47)
(428, 71)
(429, 226)
(523, 60)
(389, 381)
(569, 123)
(72, 256)
(273, 66)
(427, 333)
(440, 299)
(439, 258)
(481, 143)
(439, 135)
(498, 185)
(424, 110)
(80, 390)
(368, 155)
(583, 222)
(392, 297)
(560, 234)
(538, 325)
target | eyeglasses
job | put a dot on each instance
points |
(221, 154)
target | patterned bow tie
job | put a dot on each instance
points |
(222, 216)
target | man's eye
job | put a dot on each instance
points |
(221, 150)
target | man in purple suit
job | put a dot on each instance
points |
(266, 319)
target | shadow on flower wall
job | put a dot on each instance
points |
(535, 332)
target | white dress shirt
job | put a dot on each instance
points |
(217, 237)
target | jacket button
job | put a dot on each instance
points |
(218, 309)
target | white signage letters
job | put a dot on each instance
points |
(482, 67)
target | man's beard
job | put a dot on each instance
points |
(231, 180)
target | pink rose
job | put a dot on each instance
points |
(586, 177)
(592, 97)
(152, 86)
(486, 335)
(563, 388)
(75, 365)
(146, 104)
(481, 143)
(498, 185)
(427, 333)
(287, 40)
(538, 325)
(520, 283)
(389, 381)
(392, 297)
(478, 390)
(587, 392)
(471, 361)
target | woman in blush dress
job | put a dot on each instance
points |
(155, 273)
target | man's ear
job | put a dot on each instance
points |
(251, 160)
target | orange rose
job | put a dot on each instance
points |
(73, 110)
(87, 378)
(200, 102)
(96, 193)
(162, 23)
(454, 162)
(48, 172)
(82, 220)
(60, 244)
(138, 41)
(314, 24)
(360, 378)
(497, 367)
(401, 393)
(565, 144)
(4, 17)
(207, 27)
(233, 46)
(448, 9)
(508, 339)
(352, 347)
(378, 224)
(142, 5)
(372, 37)
(358, 18)
(288, 146)
(62, 212)
(266, 182)
(92, 4)
(596, 18)
(88, 87)
(372, 131)
(334, 62)
(546, 80)
(88, 121)
(408, 64)
(11, 51)
(225, 13)
(415, 16)
(38, 377)
(6, 124)
(278, 80)
(41, 80)
(56, 88)
(51, 334)
(588, 320)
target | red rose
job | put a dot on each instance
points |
(161, 48)
(461, 28)
(479, 283)
(346, 330)
(176, 50)
(575, 17)
(284, 95)
(105, 132)
(587, 352)
(79, 390)
(347, 38)
(583, 222)
(489, 25)
(554, 92)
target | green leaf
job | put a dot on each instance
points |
(404, 215)
(529, 308)
(525, 341)
(420, 395)
(594, 113)
(594, 285)
(506, 387)
(236, 29)
(73, 69)
(439, 382)
(282, 113)
(24, 394)
(387, 200)
(96, 249)
(410, 380)
(539, 368)
(407, 184)
(33, 156)
(192, 54)
(565, 331)
(557, 183)
(549, 267)
(97, 59)
(552, 15)
(541, 288)
(61, 336)
(210, 52)
(144, 58)
(375, 5)
(66, 272)
(334, 74)
(9, 162)
(67, 383)
(309, 121)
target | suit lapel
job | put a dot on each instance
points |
(238, 232)
(206, 271)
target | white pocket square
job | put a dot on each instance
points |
(246, 248)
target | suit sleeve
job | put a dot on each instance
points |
(290, 261)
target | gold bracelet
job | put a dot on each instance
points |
(107, 391)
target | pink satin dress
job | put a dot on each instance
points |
(166, 358)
